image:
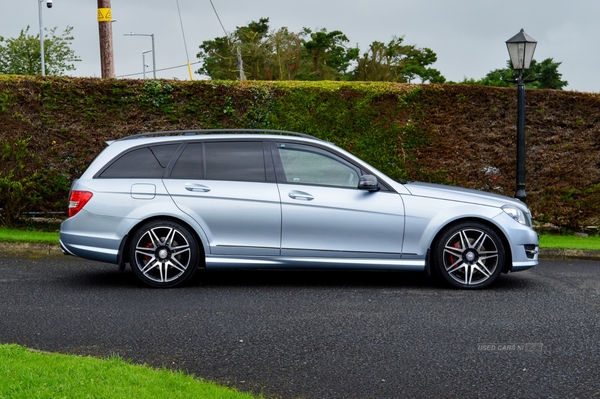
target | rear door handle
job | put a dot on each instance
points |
(198, 188)
(300, 195)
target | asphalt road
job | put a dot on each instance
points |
(535, 334)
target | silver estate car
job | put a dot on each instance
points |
(168, 203)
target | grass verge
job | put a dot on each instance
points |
(18, 235)
(29, 374)
(590, 243)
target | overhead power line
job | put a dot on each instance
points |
(217, 14)
(238, 52)
(158, 70)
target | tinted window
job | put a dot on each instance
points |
(227, 160)
(240, 161)
(307, 166)
(190, 164)
(147, 162)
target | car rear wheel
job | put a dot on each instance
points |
(469, 255)
(163, 253)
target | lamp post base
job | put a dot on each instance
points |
(521, 195)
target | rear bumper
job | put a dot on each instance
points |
(100, 243)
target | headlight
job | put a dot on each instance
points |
(517, 214)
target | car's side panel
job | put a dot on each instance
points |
(117, 205)
(334, 221)
(426, 217)
(237, 217)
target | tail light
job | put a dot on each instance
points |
(77, 200)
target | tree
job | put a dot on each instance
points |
(287, 54)
(21, 55)
(278, 55)
(544, 75)
(245, 52)
(382, 62)
(311, 55)
(329, 56)
(547, 75)
(417, 66)
(219, 59)
(254, 48)
(397, 62)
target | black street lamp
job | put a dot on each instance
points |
(521, 48)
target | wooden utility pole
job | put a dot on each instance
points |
(106, 47)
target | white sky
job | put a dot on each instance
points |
(468, 36)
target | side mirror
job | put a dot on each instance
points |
(368, 182)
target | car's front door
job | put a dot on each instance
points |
(324, 214)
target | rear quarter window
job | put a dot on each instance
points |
(145, 162)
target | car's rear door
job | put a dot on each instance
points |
(228, 187)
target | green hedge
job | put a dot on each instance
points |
(51, 129)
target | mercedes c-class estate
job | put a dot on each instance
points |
(168, 203)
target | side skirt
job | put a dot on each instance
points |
(280, 262)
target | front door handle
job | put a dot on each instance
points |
(300, 195)
(199, 188)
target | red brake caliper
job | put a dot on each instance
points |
(452, 256)
(146, 257)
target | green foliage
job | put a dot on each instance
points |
(397, 62)
(253, 52)
(329, 56)
(157, 94)
(22, 56)
(6, 100)
(246, 52)
(359, 117)
(22, 188)
(15, 184)
(260, 108)
(547, 75)
(544, 75)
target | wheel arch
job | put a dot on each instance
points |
(123, 255)
(507, 248)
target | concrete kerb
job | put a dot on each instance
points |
(574, 254)
(29, 249)
(39, 249)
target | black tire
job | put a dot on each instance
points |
(469, 255)
(163, 253)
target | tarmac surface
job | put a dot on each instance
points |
(320, 335)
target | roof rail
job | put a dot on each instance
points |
(213, 131)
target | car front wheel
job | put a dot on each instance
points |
(469, 255)
(163, 253)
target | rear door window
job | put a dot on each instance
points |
(190, 164)
(226, 160)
